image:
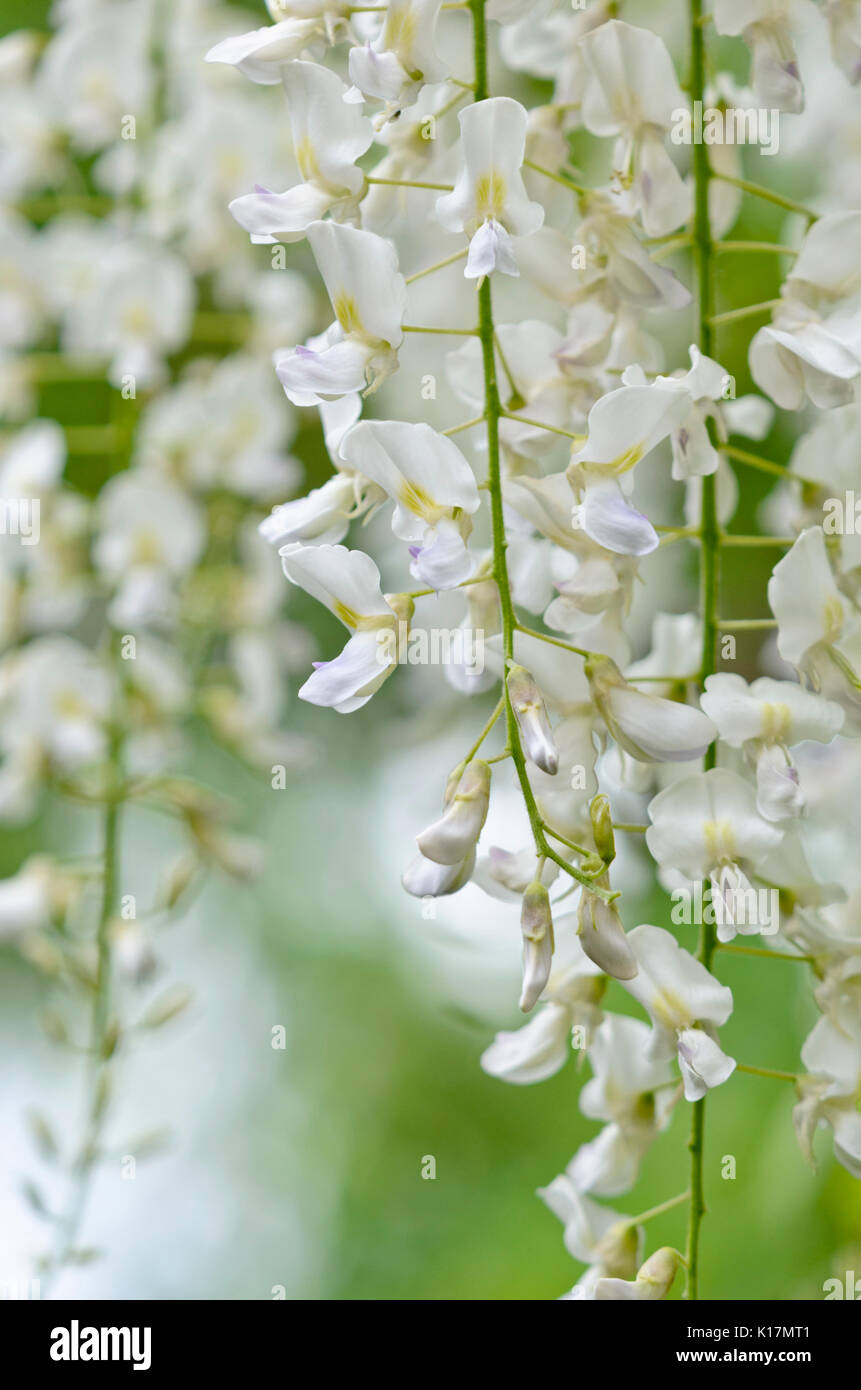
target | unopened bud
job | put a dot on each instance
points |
(530, 712)
(451, 838)
(536, 926)
(602, 827)
(619, 1249)
(602, 937)
(648, 727)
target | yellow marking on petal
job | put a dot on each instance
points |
(147, 548)
(416, 500)
(69, 704)
(307, 159)
(719, 838)
(348, 617)
(490, 195)
(776, 721)
(347, 312)
(400, 31)
(832, 619)
(670, 1009)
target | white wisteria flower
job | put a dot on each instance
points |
(709, 826)
(489, 201)
(395, 66)
(262, 54)
(767, 27)
(648, 727)
(818, 628)
(368, 295)
(829, 1094)
(686, 1004)
(329, 136)
(634, 1096)
(348, 583)
(631, 90)
(433, 489)
(767, 718)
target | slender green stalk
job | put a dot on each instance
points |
(103, 1033)
(766, 247)
(747, 311)
(438, 265)
(765, 954)
(768, 195)
(765, 465)
(660, 1209)
(493, 412)
(768, 1072)
(709, 579)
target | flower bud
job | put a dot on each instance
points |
(603, 938)
(451, 838)
(649, 728)
(422, 878)
(602, 827)
(527, 703)
(618, 1251)
(654, 1279)
(536, 925)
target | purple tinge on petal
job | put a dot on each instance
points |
(260, 188)
(318, 664)
(791, 70)
(303, 351)
(415, 551)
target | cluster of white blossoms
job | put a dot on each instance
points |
(529, 516)
(138, 604)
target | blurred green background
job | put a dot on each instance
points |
(302, 1168)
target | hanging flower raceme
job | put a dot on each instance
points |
(685, 1003)
(631, 91)
(348, 583)
(368, 295)
(489, 202)
(433, 489)
(709, 826)
(328, 137)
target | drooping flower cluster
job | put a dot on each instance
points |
(137, 601)
(530, 514)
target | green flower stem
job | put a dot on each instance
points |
(709, 578)
(746, 625)
(766, 955)
(768, 195)
(767, 1072)
(660, 1209)
(766, 465)
(747, 311)
(493, 413)
(541, 425)
(439, 265)
(410, 183)
(764, 246)
(449, 332)
(103, 1033)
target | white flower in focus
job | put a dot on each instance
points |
(685, 1003)
(631, 91)
(709, 826)
(454, 836)
(433, 489)
(348, 583)
(262, 54)
(489, 202)
(648, 727)
(395, 66)
(368, 295)
(321, 518)
(328, 137)
(767, 718)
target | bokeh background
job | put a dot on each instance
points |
(301, 1167)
